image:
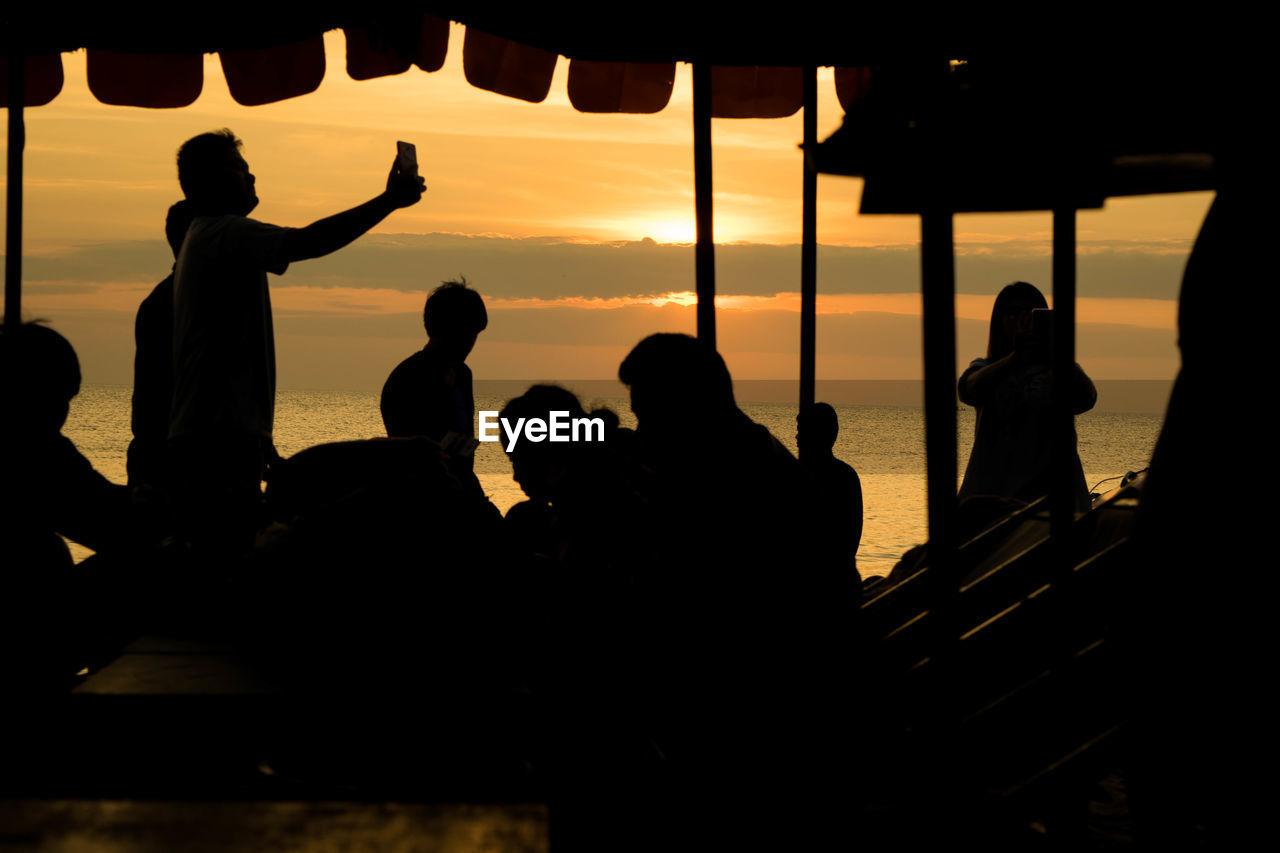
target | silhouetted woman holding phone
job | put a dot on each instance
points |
(1010, 388)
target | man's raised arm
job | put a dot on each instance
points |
(332, 233)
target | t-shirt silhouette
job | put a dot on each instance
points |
(223, 341)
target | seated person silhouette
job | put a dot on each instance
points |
(581, 526)
(581, 492)
(429, 393)
(732, 604)
(153, 367)
(833, 489)
(59, 612)
(704, 451)
(50, 488)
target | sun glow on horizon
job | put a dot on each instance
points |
(684, 299)
(672, 230)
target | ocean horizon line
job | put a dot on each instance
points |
(1135, 396)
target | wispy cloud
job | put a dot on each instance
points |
(560, 267)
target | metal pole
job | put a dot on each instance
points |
(809, 246)
(706, 246)
(937, 260)
(13, 202)
(1062, 362)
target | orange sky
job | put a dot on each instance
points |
(99, 178)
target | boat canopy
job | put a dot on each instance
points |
(757, 70)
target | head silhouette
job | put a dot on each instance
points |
(677, 384)
(454, 317)
(816, 429)
(1011, 303)
(176, 224)
(540, 467)
(214, 176)
(39, 375)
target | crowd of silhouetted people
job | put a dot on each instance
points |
(686, 580)
(673, 561)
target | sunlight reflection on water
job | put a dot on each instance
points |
(885, 444)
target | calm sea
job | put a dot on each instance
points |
(884, 443)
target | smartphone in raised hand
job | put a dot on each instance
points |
(407, 157)
(1041, 336)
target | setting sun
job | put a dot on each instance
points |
(673, 230)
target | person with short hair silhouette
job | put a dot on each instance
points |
(579, 539)
(61, 617)
(220, 427)
(691, 432)
(581, 496)
(430, 392)
(730, 490)
(1010, 388)
(833, 489)
(153, 367)
(733, 598)
(690, 427)
(50, 488)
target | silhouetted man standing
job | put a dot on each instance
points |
(220, 426)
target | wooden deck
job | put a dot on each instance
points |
(183, 745)
(92, 826)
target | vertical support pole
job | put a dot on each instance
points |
(1062, 362)
(809, 246)
(13, 201)
(937, 259)
(702, 188)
